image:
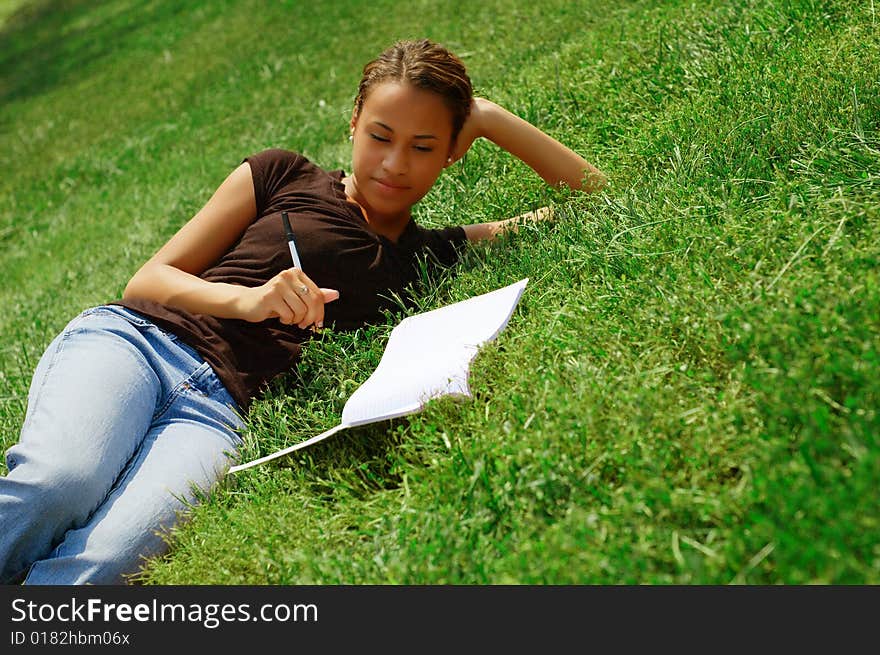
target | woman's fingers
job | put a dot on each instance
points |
(313, 301)
(289, 306)
(291, 296)
(309, 310)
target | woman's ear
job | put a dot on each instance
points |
(453, 155)
(353, 123)
(450, 156)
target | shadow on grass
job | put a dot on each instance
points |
(357, 462)
(47, 43)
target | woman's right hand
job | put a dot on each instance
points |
(291, 297)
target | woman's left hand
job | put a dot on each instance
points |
(472, 129)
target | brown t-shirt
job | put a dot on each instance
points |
(337, 250)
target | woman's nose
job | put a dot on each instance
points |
(396, 161)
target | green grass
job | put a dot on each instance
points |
(687, 393)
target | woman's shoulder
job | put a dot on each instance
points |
(281, 171)
(282, 159)
(275, 156)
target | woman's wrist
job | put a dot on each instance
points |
(485, 114)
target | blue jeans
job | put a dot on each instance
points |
(126, 426)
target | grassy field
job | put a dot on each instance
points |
(688, 392)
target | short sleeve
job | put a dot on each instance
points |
(271, 170)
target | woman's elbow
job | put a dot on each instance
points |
(592, 181)
(139, 286)
(131, 289)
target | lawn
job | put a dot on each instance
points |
(688, 391)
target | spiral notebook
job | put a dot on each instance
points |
(427, 356)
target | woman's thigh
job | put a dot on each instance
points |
(179, 460)
(91, 401)
(193, 425)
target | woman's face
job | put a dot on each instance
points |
(402, 139)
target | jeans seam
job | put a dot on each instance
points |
(124, 313)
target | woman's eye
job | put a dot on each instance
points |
(424, 148)
(380, 138)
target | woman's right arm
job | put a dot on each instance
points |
(171, 276)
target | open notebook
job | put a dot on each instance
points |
(427, 356)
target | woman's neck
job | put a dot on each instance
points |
(388, 226)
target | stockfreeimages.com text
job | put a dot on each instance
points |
(210, 615)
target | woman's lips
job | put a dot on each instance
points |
(389, 187)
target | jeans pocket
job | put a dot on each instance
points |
(202, 398)
(186, 386)
(205, 382)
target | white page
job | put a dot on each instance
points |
(427, 356)
(404, 386)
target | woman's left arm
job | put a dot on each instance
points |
(556, 163)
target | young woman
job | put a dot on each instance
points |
(138, 404)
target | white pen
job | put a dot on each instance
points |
(290, 242)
